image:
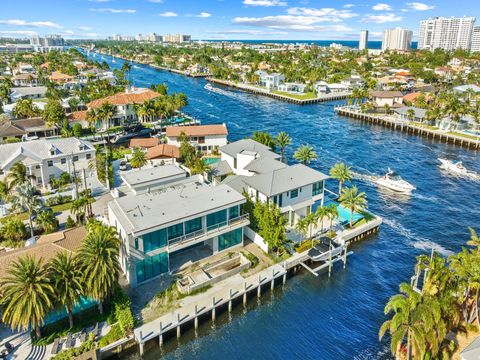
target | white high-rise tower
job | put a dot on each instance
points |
(446, 33)
(363, 43)
(397, 39)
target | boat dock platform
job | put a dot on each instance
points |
(397, 124)
(260, 91)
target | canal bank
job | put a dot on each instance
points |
(309, 318)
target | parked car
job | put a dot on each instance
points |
(123, 165)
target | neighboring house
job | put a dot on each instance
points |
(270, 81)
(60, 78)
(390, 98)
(472, 90)
(25, 80)
(25, 69)
(412, 97)
(352, 82)
(143, 143)
(47, 158)
(29, 92)
(163, 154)
(125, 104)
(205, 138)
(159, 227)
(295, 88)
(403, 113)
(472, 351)
(79, 117)
(26, 128)
(296, 189)
(322, 87)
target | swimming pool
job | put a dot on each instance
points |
(211, 160)
(343, 212)
(81, 305)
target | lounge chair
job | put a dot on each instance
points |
(68, 342)
(56, 342)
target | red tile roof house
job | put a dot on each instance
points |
(205, 138)
(163, 153)
(123, 101)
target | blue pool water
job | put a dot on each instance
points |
(344, 214)
(83, 304)
(336, 318)
(211, 160)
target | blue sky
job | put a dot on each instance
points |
(223, 19)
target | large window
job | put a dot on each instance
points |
(216, 218)
(233, 212)
(317, 188)
(174, 231)
(229, 239)
(154, 240)
(294, 194)
(151, 266)
(193, 225)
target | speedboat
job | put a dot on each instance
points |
(208, 87)
(394, 182)
(454, 167)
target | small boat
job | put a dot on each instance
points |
(208, 87)
(394, 182)
(113, 61)
(454, 167)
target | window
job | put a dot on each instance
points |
(49, 163)
(193, 225)
(174, 231)
(154, 240)
(63, 161)
(229, 239)
(89, 156)
(201, 139)
(280, 200)
(294, 194)
(52, 152)
(75, 158)
(233, 212)
(317, 188)
(151, 266)
(219, 217)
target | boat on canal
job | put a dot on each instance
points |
(394, 182)
(456, 168)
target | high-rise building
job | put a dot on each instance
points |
(397, 39)
(446, 33)
(363, 43)
(138, 37)
(475, 45)
(153, 37)
(177, 38)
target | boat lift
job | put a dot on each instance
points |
(326, 256)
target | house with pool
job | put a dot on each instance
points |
(166, 219)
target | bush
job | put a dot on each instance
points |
(71, 353)
(77, 130)
(58, 200)
(115, 333)
(13, 232)
(252, 258)
(125, 318)
(70, 223)
(11, 140)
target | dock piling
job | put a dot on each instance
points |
(213, 308)
(230, 301)
(245, 294)
(160, 336)
(259, 289)
(141, 344)
(272, 283)
(196, 317)
(178, 326)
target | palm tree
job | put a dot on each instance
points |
(320, 214)
(4, 191)
(66, 277)
(282, 140)
(411, 114)
(410, 322)
(126, 68)
(48, 221)
(332, 214)
(98, 262)
(18, 175)
(26, 199)
(353, 200)
(25, 108)
(138, 158)
(79, 208)
(342, 173)
(106, 112)
(305, 154)
(200, 167)
(302, 227)
(27, 292)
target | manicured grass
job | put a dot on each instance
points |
(305, 96)
(467, 136)
(430, 127)
(24, 216)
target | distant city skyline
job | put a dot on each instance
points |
(223, 19)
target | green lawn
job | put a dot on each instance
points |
(306, 96)
(430, 127)
(24, 216)
(467, 136)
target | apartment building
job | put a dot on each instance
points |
(446, 33)
(475, 45)
(397, 39)
(363, 43)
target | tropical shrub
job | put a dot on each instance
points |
(13, 232)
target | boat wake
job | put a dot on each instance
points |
(414, 240)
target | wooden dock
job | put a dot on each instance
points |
(408, 127)
(260, 91)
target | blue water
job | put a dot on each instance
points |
(344, 213)
(337, 318)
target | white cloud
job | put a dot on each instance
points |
(348, 6)
(203, 15)
(381, 7)
(419, 6)
(382, 18)
(17, 22)
(265, 3)
(168, 14)
(85, 28)
(247, 32)
(156, 1)
(290, 22)
(323, 14)
(114, 11)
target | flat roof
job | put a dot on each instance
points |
(139, 177)
(172, 204)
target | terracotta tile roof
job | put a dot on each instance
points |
(58, 76)
(163, 151)
(144, 143)
(412, 96)
(46, 248)
(197, 130)
(78, 115)
(124, 98)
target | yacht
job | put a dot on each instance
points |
(394, 182)
(454, 167)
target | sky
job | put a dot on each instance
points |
(223, 19)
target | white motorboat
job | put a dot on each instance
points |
(394, 182)
(208, 87)
(454, 167)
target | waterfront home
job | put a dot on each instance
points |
(270, 81)
(47, 159)
(25, 80)
(60, 78)
(387, 98)
(205, 138)
(412, 97)
(163, 154)
(177, 222)
(470, 90)
(26, 128)
(45, 248)
(143, 143)
(352, 82)
(125, 106)
(28, 92)
(296, 189)
(294, 88)
(410, 113)
(322, 87)
(150, 179)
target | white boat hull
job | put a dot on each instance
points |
(392, 185)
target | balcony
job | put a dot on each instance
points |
(190, 239)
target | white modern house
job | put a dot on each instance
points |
(47, 158)
(205, 138)
(178, 220)
(295, 88)
(296, 189)
(270, 81)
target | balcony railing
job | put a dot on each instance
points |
(210, 230)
